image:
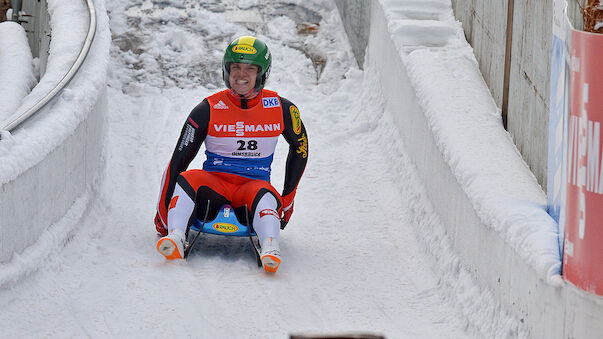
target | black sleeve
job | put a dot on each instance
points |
(295, 134)
(192, 136)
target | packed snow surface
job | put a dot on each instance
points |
(352, 261)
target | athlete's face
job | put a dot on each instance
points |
(242, 77)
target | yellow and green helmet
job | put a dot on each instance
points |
(248, 50)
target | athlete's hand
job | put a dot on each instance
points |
(159, 225)
(287, 211)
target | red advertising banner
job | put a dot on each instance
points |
(583, 245)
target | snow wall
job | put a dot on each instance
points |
(484, 229)
(48, 166)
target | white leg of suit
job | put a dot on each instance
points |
(266, 222)
(179, 215)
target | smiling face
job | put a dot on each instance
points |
(242, 77)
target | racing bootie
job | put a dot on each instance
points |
(172, 245)
(270, 254)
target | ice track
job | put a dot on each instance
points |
(351, 259)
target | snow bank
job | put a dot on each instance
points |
(16, 67)
(468, 131)
(52, 160)
(496, 229)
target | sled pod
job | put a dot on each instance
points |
(226, 223)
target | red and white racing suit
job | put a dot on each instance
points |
(240, 138)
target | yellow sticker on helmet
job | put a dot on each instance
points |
(295, 119)
(244, 49)
(246, 40)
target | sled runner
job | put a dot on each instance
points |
(226, 223)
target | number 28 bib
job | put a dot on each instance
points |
(242, 141)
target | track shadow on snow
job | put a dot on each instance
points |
(224, 248)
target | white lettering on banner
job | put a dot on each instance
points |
(240, 128)
(575, 64)
(592, 155)
(584, 158)
(569, 247)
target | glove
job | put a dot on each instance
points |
(287, 211)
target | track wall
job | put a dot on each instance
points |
(39, 187)
(538, 308)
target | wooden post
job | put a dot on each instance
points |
(507, 74)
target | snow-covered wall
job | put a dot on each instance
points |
(489, 202)
(52, 161)
(16, 67)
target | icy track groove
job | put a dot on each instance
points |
(351, 258)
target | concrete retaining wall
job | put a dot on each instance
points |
(528, 106)
(356, 14)
(16, 64)
(537, 308)
(485, 24)
(36, 23)
(41, 195)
